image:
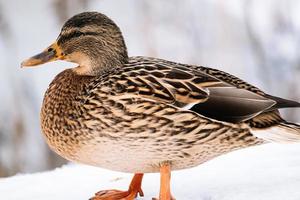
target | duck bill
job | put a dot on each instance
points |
(52, 53)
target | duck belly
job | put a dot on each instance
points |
(145, 156)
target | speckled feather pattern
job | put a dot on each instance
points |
(132, 118)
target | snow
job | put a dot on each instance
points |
(264, 172)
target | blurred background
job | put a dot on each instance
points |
(257, 40)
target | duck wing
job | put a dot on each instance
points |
(206, 91)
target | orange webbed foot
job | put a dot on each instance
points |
(134, 190)
(116, 195)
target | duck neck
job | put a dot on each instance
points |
(98, 65)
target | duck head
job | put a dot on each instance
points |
(91, 40)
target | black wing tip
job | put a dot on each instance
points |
(283, 103)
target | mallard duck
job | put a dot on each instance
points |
(141, 114)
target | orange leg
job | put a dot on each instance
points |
(133, 190)
(165, 178)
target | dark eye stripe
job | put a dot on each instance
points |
(74, 34)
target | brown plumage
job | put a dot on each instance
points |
(141, 114)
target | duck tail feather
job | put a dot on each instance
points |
(284, 132)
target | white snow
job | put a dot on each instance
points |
(267, 172)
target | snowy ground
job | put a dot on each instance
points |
(267, 172)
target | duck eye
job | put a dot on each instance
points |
(50, 49)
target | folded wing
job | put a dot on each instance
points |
(206, 91)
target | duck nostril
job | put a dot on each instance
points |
(50, 49)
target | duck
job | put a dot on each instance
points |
(147, 115)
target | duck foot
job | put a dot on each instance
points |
(116, 195)
(134, 190)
